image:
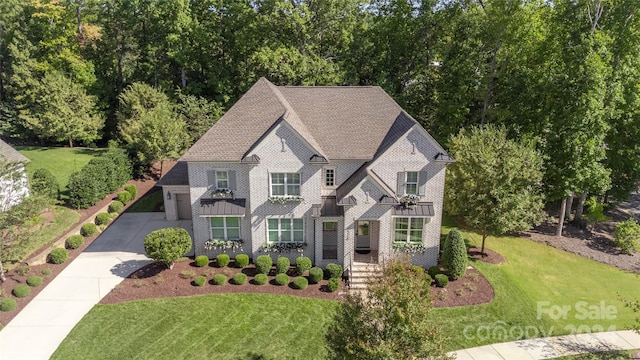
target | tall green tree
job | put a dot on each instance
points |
(494, 185)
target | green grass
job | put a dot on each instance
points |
(604, 355)
(148, 203)
(538, 273)
(227, 326)
(60, 161)
(44, 234)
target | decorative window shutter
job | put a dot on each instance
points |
(422, 182)
(211, 178)
(232, 179)
(301, 182)
(400, 183)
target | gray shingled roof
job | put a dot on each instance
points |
(339, 122)
(11, 154)
(178, 175)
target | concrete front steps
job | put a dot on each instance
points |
(360, 274)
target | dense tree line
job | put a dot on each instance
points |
(560, 73)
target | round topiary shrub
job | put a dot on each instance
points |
(21, 291)
(303, 264)
(239, 278)
(333, 284)
(263, 264)
(131, 189)
(242, 261)
(315, 275)
(282, 279)
(427, 279)
(88, 229)
(201, 260)
(417, 269)
(46, 272)
(34, 281)
(334, 270)
(102, 218)
(45, 184)
(442, 280)
(219, 279)
(7, 304)
(454, 255)
(165, 246)
(433, 271)
(58, 255)
(74, 241)
(223, 260)
(199, 281)
(260, 279)
(300, 283)
(124, 197)
(116, 207)
(282, 265)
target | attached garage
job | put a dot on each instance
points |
(184, 206)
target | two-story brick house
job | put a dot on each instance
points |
(337, 173)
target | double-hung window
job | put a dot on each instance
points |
(222, 179)
(285, 184)
(408, 229)
(285, 230)
(225, 228)
(411, 183)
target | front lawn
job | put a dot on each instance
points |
(228, 326)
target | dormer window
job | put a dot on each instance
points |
(329, 178)
(285, 184)
(222, 180)
(411, 183)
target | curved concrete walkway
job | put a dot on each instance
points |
(553, 347)
(37, 331)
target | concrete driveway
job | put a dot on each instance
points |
(37, 331)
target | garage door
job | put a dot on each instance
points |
(184, 206)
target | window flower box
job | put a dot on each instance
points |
(283, 247)
(409, 248)
(409, 200)
(221, 244)
(283, 200)
(222, 194)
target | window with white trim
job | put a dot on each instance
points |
(285, 230)
(411, 183)
(329, 177)
(408, 229)
(285, 184)
(222, 179)
(225, 228)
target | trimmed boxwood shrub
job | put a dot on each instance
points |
(131, 189)
(223, 260)
(428, 279)
(34, 281)
(84, 190)
(199, 281)
(239, 278)
(7, 304)
(417, 269)
(242, 261)
(315, 275)
(282, 279)
(43, 183)
(21, 291)
(116, 207)
(74, 241)
(46, 272)
(260, 279)
(300, 283)
(165, 246)
(442, 280)
(88, 229)
(102, 218)
(282, 265)
(334, 270)
(303, 264)
(58, 255)
(124, 197)
(333, 284)
(433, 271)
(454, 255)
(219, 279)
(263, 264)
(201, 260)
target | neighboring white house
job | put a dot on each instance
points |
(338, 173)
(15, 185)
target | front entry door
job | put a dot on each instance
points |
(363, 235)
(329, 240)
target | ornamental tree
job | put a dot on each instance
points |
(494, 185)
(165, 246)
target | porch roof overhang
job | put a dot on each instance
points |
(329, 208)
(423, 209)
(222, 207)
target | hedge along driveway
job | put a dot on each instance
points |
(51, 315)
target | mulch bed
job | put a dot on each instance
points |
(489, 256)
(472, 289)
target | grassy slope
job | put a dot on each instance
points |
(60, 161)
(228, 326)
